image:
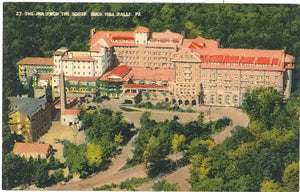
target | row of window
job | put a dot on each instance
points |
(78, 73)
(227, 76)
(220, 100)
(153, 83)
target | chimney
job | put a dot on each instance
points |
(70, 55)
(62, 92)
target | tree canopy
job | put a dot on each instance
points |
(261, 156)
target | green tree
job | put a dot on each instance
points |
(177, 142)
(30, 88)
(49, 94)
(41, 178)
(290, 178)
(263, 104)
(93, 155)
(164, 186)
(200, 169)
(269, 185)
(12, 174)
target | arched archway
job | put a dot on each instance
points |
(180, 102)
(173, 101)
(166, 99)
(186, 102)
(193, 102)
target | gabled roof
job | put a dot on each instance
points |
(195, 45)
(95, 47)
(122, 38)
(27, 106)
(111, 38)
(40, 148)
(60, 51)
(141, 29)
(288, 58)
(186, 55)
(36, 61)
(74, 112)
(45, 76)
(119, 71)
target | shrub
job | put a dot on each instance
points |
(130, 184)
(105, 187)
(164, 186)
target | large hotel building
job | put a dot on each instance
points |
(165, 66)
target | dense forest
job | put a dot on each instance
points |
(156, 140)
(237, 26)
(262, 156)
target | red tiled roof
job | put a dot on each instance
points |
(288, 58)
(74, 112)
(81, 78)
(36, 61)
(247, 60)
(122, 38)
(139, 73)
(195, 45)
(263, 60)
(40, 148)
(275, 61)
(204, 58)
(144, 86)
(141, 29)
(119, 71)
(216, 58)
(78, 58)
(95, 47)
(60, 51)
(45, 76)
(231, 59)
(206, 43)
(107, 35)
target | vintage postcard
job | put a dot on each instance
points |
(150, 96)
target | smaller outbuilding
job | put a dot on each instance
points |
(33, 150)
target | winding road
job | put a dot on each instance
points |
(114, 175)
